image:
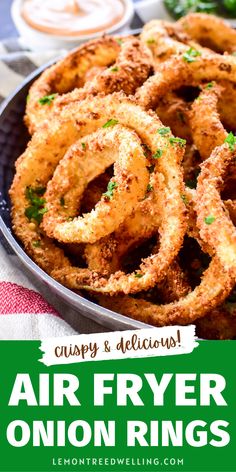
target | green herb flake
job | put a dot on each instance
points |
(47, 99)
(190, 55)
(184, 198)
(138, 275)
(163, 131)
(36, 209)
(110, 190)
(28, 98)
(36, 243)
(83, 146)
(119, 41)
(231, 141)
(181, 142)
(151, 41)
(209, 219)
(62, 201)
(114, 69)
(149, 188)
(209, 85)
(157, 154)
(110, 122)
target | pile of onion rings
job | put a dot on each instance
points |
(126, 190)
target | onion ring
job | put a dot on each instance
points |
(215, 226)
(177, 72)
(212, 32)
(55, 138)
(130, 64)
(214, 288)
(84, 162)
(207, 130)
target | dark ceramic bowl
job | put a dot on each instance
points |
(13, 139)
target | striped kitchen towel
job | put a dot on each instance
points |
(28, 310)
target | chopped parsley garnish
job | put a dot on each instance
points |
(163, 131)
(209, 85)
(36, 243)
(138, 275)
(27, 98)
(149, 188)
(36, 209)
(119, 41)
(114, 69)
(110, 122)
(157, 154)
(47, 99)
(184, 198)
(209, 219)
(179, 141)
(231, 141)
(62, 201)
(151, 41)
(110, 189)
(83, 146)
(191, 54)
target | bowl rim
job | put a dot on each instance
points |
(21, 23)
(73, 298)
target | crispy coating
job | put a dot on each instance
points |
(106, 255)
(213, 221)
(177, 72)
(54, 139)
(212, 32)
(162, 41)
(128, 64)
(219, 324)
(99, 200)
(173, 111)
(87, 159)
(207, 129)
(215, 286)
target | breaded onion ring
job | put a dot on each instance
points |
(213, 221)
(54, 139)
(209, 31)
(219, 324)
(82, 163)
(207, 130)
(160, 37)
(215, 286)
(177, 71)
(173, 112)
(129, 64)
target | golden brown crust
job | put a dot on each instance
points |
(127, 64)
(211, 32)
(172, 246)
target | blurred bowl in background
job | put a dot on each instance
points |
(38, 41)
